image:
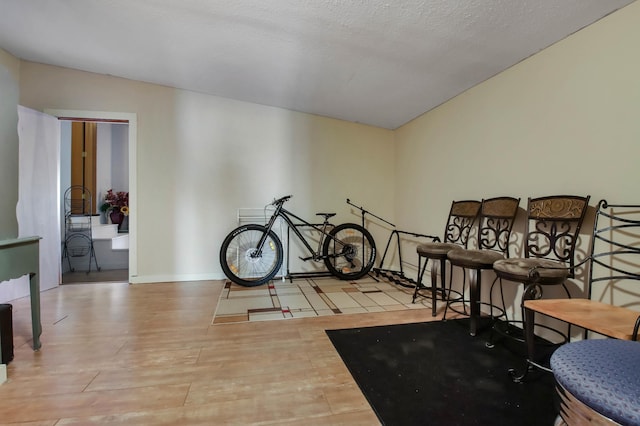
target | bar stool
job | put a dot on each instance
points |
(495, 222)
(553, 226)
(456, 234)
(598, 382)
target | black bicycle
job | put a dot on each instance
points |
(252, 254)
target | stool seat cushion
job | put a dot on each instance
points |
(519, 269)
(603, 374)
(435, 250)
(474, 259)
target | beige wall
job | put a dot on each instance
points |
(565, 121)
(200, 158)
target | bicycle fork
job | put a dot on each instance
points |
(269, 226)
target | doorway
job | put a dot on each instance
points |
(123, 178)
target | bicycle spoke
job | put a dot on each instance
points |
(241, 260)
(349, 251)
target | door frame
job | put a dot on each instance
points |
(132, 119)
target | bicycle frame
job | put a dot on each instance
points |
(288, 217)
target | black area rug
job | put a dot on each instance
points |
(435, 373)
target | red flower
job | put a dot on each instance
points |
(115, 200)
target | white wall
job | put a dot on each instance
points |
(112, 160)
(103, 163)
(119, 142)
(200, 158)
(565, 121)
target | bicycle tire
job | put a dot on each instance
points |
(349, 251)
(237, 261)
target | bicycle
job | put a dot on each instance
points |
(252, 254)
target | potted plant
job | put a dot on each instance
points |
(115, 206)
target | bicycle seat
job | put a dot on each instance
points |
(326, 215)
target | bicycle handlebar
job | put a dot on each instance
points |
(281, 200)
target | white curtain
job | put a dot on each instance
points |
(38, 209)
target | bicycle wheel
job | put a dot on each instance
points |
(241, 261)
(349, 251)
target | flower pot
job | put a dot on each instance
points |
(116, 217)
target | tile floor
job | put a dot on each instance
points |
(312, 297)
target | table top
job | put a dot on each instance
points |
(16, 241)
(603, 318)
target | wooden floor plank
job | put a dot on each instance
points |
(147, 354)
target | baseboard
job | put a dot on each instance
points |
(146, 279)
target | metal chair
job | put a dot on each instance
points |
(78, 239)
(456, 234)
(553, 226)
(495, 221)
(613, 286)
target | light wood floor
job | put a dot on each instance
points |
(146, 354)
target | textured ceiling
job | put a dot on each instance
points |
(377, 62)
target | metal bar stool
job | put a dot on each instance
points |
(456, 234)
(553, 226)
(495, 222)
